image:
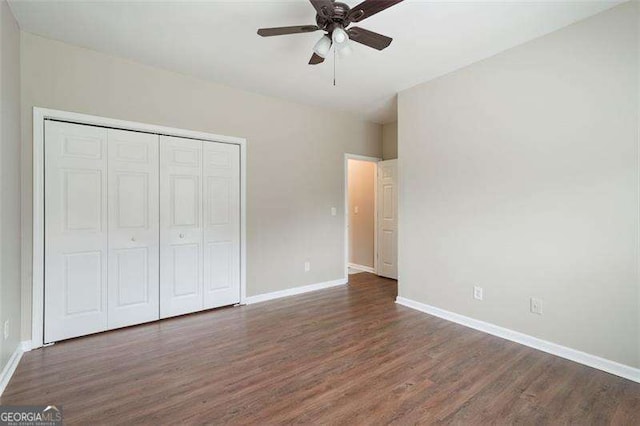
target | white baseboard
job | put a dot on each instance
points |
(12, 364)
(293, 291)
(580, 357)
(362, 268)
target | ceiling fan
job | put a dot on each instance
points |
(334, 18)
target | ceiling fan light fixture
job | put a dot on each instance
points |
(322, 47)
(339, 35)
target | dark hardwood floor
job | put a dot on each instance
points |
(346, 355)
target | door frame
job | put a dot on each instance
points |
(375, 160)
(39, 117)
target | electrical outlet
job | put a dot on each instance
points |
(536, 306)
(6, 329)
(307, 266)
(356, 209)
(477, 292)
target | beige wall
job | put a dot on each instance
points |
(295, 161)
(362, 176)
(520, 174)
(390, 141)
(10, 182)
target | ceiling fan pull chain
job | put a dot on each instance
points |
(335, 57)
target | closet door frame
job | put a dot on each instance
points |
(40, 115)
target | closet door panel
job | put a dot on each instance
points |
(180, 226)
(133, 228)
(221, 178)
(75, 300)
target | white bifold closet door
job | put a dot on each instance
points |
(221, 219)
(181, 266)
(199, 225)
(137, 227)
(101, 229)
(75, 230)
(134, 241)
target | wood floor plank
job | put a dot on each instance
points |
(345, 355)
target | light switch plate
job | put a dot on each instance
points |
(536, 306)
(334, 211)
(477, 292)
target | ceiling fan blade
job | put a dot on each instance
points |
(323, 7)
(369, 38)
(268, 32)
(368, 8)
(316, 59)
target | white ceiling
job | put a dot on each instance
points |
(217, 41)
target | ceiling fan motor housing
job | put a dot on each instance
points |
(335, 17)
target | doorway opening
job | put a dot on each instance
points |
(361, 213)
(371, 216)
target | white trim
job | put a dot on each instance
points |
(294, 291)
(39, 117)
(37, 267)
(12, 364)
(361, 268)
(243, 221)
(359, 157)
(580, 357)
(348, 157)
(25, 345)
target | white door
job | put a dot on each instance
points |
(181, 228)
(133, 228)
(388, 219)
(75, 261)
(221, 194)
